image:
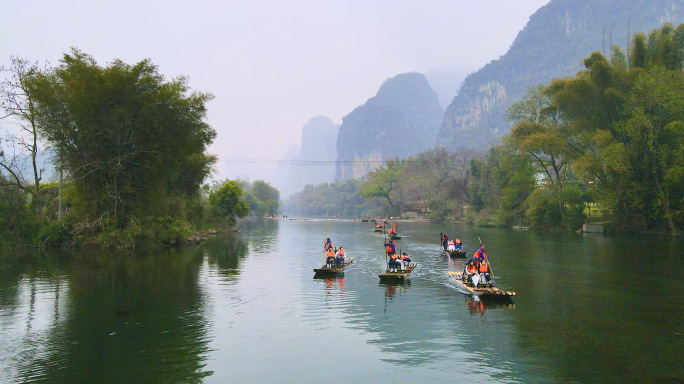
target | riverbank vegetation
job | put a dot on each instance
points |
(606, 144)
(129, 152)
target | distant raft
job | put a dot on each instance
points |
(333, 270)
(394, 237)
(482, 290)
(455, 253)
(399, 275)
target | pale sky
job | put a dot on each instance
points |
(271, 65)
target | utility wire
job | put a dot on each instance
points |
(235, 160)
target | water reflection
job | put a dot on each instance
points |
(244, 308)
(391, 288)
(107, 318)
(479, 306)
(226, 252)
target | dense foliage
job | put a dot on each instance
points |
(341, 198)
(131, 147)
(263, 198)
(226, 201)
(132, 142)
(612, 135)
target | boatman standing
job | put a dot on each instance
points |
(390, 248)
(480, 255)
(328, 245)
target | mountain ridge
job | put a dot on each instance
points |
(402, 119)
(551, 45)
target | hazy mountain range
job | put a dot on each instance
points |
(402, 119)
(405, 117)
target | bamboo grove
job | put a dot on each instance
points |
(130, 148)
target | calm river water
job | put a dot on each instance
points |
(245, 308)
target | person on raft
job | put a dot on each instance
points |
(330, 258)
(390, 247)
(451, 246)
(457, 243)
(469, 271)
(445, 239)
(328, 244)
(378, 226)
(405, 259)
(394, 263)
(339, 257)
(485, 271)
(480, 254)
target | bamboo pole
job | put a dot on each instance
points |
(325, 237)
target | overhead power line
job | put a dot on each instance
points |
(241, 160)
(233, 160)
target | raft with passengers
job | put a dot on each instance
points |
(476, 278)
(399, 267)
(452, 247)
(392, 233)
(336, 260)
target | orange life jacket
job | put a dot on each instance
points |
(331, 253)
(388, 248)
(341, 252)
(394, 256)
(484, 268)
(458, 241)
(471, 268)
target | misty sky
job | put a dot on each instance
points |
(271, 65)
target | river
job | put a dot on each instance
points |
(245, 308)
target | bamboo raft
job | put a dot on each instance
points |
(455, 253)
(482, 290)
(395, 237)
(364, 220)
(378, 230)
(399, 275)
(334, 270)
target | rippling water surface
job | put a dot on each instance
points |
(246, 308)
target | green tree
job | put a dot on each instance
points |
(226, 202)
(501, 184)
(385, 182)
(262, 197)
(540, 132)
(625, 129)
(17, 221)
(656, 123)
(17, 99)
(133, 143)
